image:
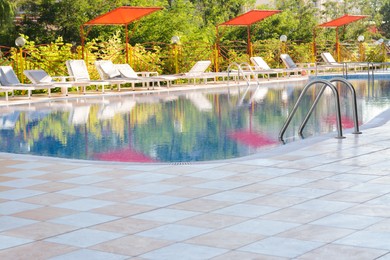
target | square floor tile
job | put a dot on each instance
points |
(87, 170)
(182, 251)
(174, 232)
(26, 174)
(332, 251)
(29, 165)
(17, 194)
(85, 191)
(233, 196)
(12, 207)
(22, 183)
(378, 240)
(8, 241)
(87, 179)
(166, 215)
(84, 237)
(246, 210)
(89, 254)
(154, 188)
(262, 227)
(149, 177)
(158, 200)
(283, 247)
(8, 222)
(84, 204)
(347, 221)
(83, 219)
(221, 185)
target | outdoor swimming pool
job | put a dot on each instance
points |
(185, 126)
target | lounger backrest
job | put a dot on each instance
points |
(126, 71)
(328, 58)
(38, 76)
(200, 67)
(288, 62)
(78, 69)
(8, 76)
(106, 69)
(259, 63)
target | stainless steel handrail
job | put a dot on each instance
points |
(295, 108)
(354, 104)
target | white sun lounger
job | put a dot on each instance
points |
(123, 72)
(79, 71)
(42, 77)
(10, 82)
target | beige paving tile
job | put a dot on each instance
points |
(184, 181)
(131, 245)
(351, 196)
(343, 252)
(329, 184)
(296, 215)
(370, 210)
(276, 201)
(238, 168)
(52, 186)
(54, 176)
(212, 220)
(120, 195)
(201, 205)
(316, 233)
(45, 213)
(117, 185)
(191, 192)
(5, 178)
(50, 199)
(128, 225)
(225, 239)
(262, 188)
(122, 209)
(239, 255)
(178, 169)
(38, 250)
(3, 188)
(40, 231)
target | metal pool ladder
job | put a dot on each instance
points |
(325, 84)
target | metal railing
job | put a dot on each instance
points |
(325, 84)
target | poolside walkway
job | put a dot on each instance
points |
(320, 198)
(312, 200)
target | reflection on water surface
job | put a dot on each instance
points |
(177, 126)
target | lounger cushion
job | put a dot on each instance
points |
(8, 76)
(109, 69)
(126, 71)
(38, 76)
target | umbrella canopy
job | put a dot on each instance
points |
(336, 23)
(120, 16)
(250, 17)
(247, 19)
(344, 20)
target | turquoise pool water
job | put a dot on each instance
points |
(183, 126)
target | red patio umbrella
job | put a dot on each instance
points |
(120, 16)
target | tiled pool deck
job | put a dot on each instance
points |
(328, 199)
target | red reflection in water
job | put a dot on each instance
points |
(346, 122)
(252, 139)
(124, 155)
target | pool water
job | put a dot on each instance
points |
(186, 126)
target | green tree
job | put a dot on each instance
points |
(385, 11)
